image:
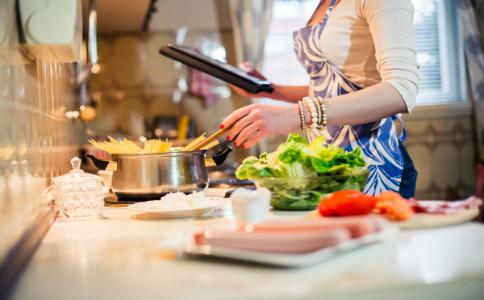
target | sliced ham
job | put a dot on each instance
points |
(296, 236)
(291, 242)
(358, 226)
(445, 207)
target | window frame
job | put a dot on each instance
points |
(451, 56)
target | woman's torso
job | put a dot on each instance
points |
(347, 43)
(325, 50)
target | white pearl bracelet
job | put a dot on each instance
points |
(317, 113)
(313, 112)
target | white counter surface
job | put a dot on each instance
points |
(129, 255)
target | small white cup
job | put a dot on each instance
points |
(251, 206)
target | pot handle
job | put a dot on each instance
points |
(220, 156)
(103, 164)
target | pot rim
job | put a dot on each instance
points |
(161, 154)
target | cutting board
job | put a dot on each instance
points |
(423, 220)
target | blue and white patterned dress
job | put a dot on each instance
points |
(377, 140)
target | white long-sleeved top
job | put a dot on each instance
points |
(372, 41)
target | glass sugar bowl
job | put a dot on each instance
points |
(78, 194)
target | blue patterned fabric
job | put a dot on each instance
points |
(377, 140)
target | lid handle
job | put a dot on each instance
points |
(76, 163)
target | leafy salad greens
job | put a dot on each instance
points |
(299, 175)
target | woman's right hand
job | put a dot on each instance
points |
(254, 122)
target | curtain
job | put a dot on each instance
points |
(252, 19)
(471, 14)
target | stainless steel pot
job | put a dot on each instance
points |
(150, 176)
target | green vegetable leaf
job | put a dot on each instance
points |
(331, 167)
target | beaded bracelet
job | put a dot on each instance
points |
(323, 112)
(313, 113)
(301, 112)
(318, 108)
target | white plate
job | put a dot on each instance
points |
(146, 207)
(289, 260)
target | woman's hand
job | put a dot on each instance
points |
(288, 93)
(249, 69)
(257, 121)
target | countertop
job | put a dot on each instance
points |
(131, 255)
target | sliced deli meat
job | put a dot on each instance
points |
(358, 226)
(445, 207)
(274, 242)
(292, 237)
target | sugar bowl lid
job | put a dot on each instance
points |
(76, 175)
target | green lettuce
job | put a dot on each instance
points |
(305, 173)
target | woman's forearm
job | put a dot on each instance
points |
(364, 106)
(257, 121)
(289, 93)
(367, 105)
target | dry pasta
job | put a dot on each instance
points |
(210, 145)
(197, 141)
(156, 146)
(126, 146)
(112, 146)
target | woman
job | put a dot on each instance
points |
(361, 60)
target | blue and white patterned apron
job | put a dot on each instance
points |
(378, 140)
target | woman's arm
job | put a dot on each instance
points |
(280, 92)
(391, 27)
(288, 93)
(367, 105)
(257, 121)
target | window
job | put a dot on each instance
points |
(280, 62)
(437, 40)
(439, 52)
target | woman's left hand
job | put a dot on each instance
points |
(254, 122)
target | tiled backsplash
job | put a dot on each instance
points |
(443, 151)
(37, 141)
